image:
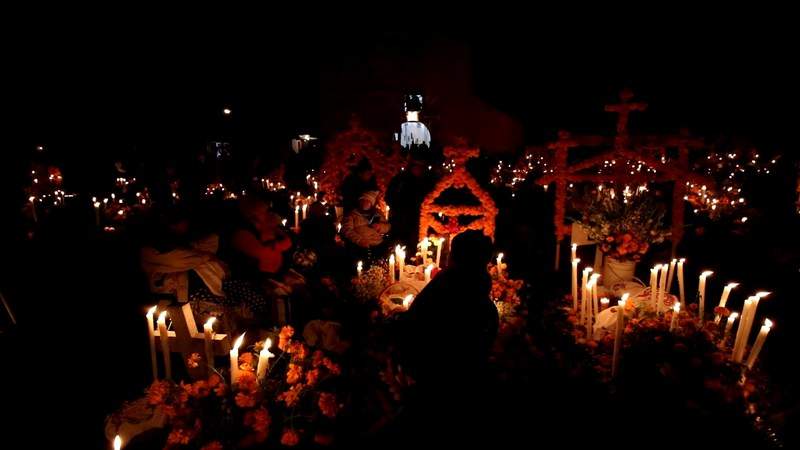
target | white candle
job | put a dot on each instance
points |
(618, 334)
(728, 328)
(263, 360)
(338, 227)
(408, 300)
(737, 343)
(163, 336)
(746, 324)
(654, 286)
(400, 253)
(574, 251)
(97, 213)
(680, 282)
(424, 250)
(234, 354)
(297, 217)
(387, 212)
(671, 274)
(151, 334)
(723, 300)
(439, 245)
(283, 222)
(500, 265)
(391, 268)
(701, 294)
(32, 199)
(595, 298)
(584, 292)
(428, 272)
(117, 442)
(360, 267)
(604, 302)
(575, 283)
(208, 336)
(305, 210)
(762, 336)
(587, 306)
(662, 287)
(676, 308)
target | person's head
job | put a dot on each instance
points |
(364, 170)
(471, 250)
(368, 200)
(255, 211)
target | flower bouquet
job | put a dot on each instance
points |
(369, 285)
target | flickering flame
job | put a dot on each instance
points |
(210, 322)
(96, 204)
(768, 323)
(762, 294)
(605, 301)
(732, 285)
(162, 318)
(31, 199)
(733, 316)
(706, 274)
(682, 260)
(238, 342)
(283, 222)
(676, 307)
(151, 311)
(117, 442)
(265, 351)
(576, 261)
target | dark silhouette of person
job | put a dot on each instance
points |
(405, 195)
(360, 180)
(447, 336)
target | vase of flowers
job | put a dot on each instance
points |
(625, 225)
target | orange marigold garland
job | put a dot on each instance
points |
(447, 222)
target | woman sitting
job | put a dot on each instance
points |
(364, 228)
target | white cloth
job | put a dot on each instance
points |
(414, 133)
(162, 267)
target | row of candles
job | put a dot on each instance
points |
(159, 328)
(661, 277)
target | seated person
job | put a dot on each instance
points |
(172, 252)
(318, 234)
(363, 227)
(259, 244)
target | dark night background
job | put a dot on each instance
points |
(91, 97)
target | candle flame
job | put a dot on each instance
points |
(674, 261)
(265, 351)
(676, 307)
(706, 274)
(732, 285)
(605, 300)
(733, 316)
(210, 322)
(588, 269)
(391, 259)
(595, 276)
(576, 261)
(624, 297)
(151, 311)
(238, 342)
(768, 323)
(682, 260)
(162, 317)
(117, 442)
(762, 294)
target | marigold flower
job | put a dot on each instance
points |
(292, 396)
(193, 361)
(298, 351)
(213, 445)
(258, 419)
(245, 400)
(312, 376)
(331, 366)
(316, 358)
(285, 336)
(246, 358)
(157, 392)
(290, 438)
(327, 404)
(294, 373)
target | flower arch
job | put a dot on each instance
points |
(459, 178)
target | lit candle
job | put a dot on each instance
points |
(32, 199)
(662, 287)
(604, 302)
(500, 265)
(339, 227)
(297, 217)
(117, 442)
(408, 300)
(762, 336)
(263, 360)
(654, 286)
(234, 354)
(163, 336)
(671, 274)
(391, 268)
(746, 324)
(359, 267)
(305, 210)
(400, 253)
(208, 336)
(575, 283)
(701, 294)
(387, 213)
(439, 245)
(618, 334)
(574, 251)
(680, 282)
(595, 298)
(736, 354)
(723, 300)
(424, 250)
(283, 222)
(584, 293)
(728, 328)
(151, 334)
(428, 271)
(676, 308)
(587, 306)
(97, 213)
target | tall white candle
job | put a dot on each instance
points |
(305, 210)
(428, 271)
(500, 265)
(297, 217)
(723, 300)
(584, 292)
(117, 442)
(676, 308)
(595, 298)
(654, 286)
(32, 199)
(97, 213)
(762, 336)
(439, 245)
(575, 283)
(618, 332)
(662, 287)
(391, 268)
(234, 357)
(574, 251)
(163, 336)
(208, 340)
(680, 282)
(400, 253)
(701, 294)
(746, 324)
(671, 274)
(151, 334)
(263, 360)
(360, 267)
(728, 328)
(387, 213)
(740, 333)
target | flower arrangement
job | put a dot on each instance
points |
(458, 178)
(370, 283)
(296, 402)
(506, 297)
(626, 225)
